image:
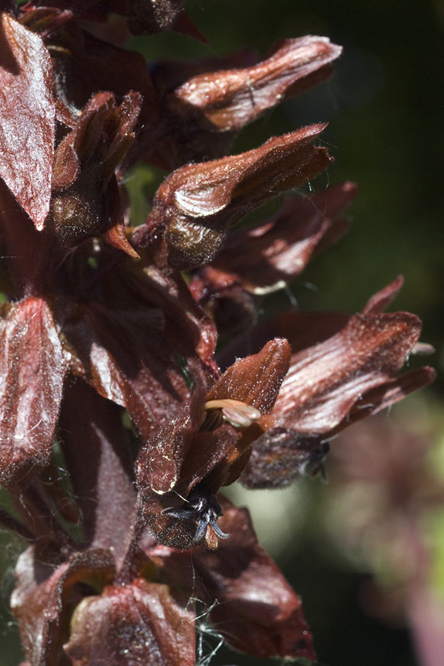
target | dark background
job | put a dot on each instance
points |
(385, 109)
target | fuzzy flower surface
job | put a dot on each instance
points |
(119, 423)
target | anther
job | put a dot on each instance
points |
(234, 412)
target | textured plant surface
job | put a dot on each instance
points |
(108, 361)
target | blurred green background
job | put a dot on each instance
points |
(384, 106)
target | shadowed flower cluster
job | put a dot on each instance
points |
(119, 422)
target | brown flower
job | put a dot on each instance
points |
(256, 610)
(85, 198)
(184, 457)
(278, 250)
(206, 102)
(117, 427)
(200, 202)
(338, 380)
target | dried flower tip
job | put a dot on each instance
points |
(234, 412)
(423, 349)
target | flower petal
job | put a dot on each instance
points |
(199, 202)
(32, 370)
(44, 20)
(230, 99)
(304, 329)
(382, 299)
(44, 597)
(123, 356)
(27, 114)
(179, 457)
(330, 386)
(255, 379)
(137, 623)
(169, 74)
(258, 612)
(89, 64)
(86, 201)
(280, 249)
(160, 459)
(325, 381)
(147, 346)
(205, 102)
(280, 456)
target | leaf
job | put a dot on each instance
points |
(91, 429)
(27, 113)
(32, 371)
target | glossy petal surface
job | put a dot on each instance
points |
(325, 381)
(200, 202)
(206, 102)
(232, 98)
(256, 379)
